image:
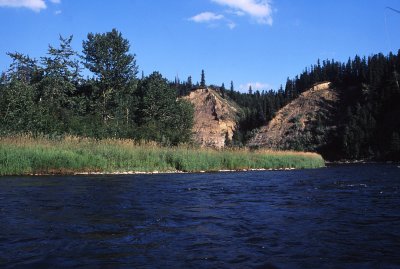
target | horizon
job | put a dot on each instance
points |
(257, 43)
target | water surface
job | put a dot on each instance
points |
(344, 216)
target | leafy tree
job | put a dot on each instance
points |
(18, 112)
(107, 56)
(180, 130)
(18, 95)
(161, 116)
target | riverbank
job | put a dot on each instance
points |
(24, 155)
(172, 172)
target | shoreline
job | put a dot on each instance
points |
(75, 156)
(122, 173)
(351, 162)
(184, 172)
(119, 173)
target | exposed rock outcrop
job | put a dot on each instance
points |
(215, 118)
(303, 124)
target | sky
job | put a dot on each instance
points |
(250, 42)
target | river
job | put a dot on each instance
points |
(343, 216)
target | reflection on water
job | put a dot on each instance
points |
(338, 217)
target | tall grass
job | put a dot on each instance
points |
(23, 155)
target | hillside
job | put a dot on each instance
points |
(215, 118)
(303, 124)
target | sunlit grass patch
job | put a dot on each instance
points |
(22, 155)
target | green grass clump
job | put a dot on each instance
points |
(24, 155)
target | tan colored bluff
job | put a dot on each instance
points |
(215, 118)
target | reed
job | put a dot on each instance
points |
(24, 155)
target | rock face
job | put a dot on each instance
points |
(303, 124)
(215, 118)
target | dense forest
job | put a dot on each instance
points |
(368, 118)
(50, 97)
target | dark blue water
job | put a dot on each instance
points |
(337, 217)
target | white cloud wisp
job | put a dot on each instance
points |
(260, 10)
(206, 17)
(35, 5)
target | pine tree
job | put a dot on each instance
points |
(222, 90)
(189, 84)
(203, 79)
(23, 68)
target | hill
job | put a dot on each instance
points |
(306, 123)
(215, 118)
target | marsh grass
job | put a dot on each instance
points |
(23, 155)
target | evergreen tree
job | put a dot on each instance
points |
(57, 98)
(189, 83)
(203, 79)
(222, 90)
(62, 62)
(23, 68)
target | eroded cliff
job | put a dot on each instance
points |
(215, 118)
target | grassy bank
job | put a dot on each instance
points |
(25, 155)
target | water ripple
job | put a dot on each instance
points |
(339, 217)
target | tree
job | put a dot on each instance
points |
(162, 117)
(57, 90)
(18, 112)
(107, 57)
(189, 83)
(203, 79)
(23, 68)
(62, 62)
(222, 90)
(19, 93)
(180, 130)
(289, 90)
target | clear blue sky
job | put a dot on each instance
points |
(247, 41)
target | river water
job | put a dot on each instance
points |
(345, 216)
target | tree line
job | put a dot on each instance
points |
(50, 96)
(368, 113)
